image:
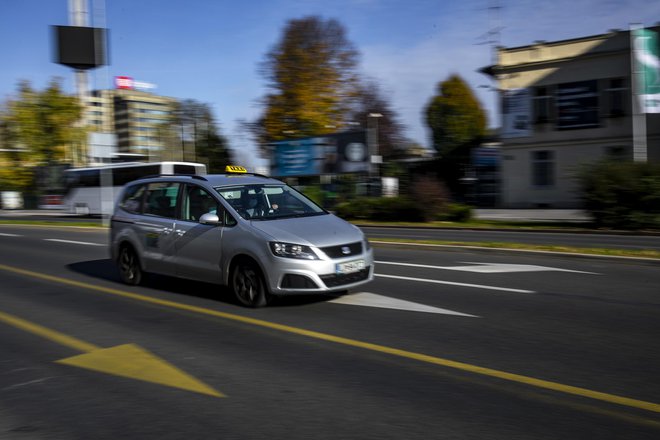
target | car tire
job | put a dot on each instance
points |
(130, 270)
(248, 284)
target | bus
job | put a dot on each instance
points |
(93, 191)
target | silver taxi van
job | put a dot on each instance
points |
(253, 233)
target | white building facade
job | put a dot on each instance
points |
(566, 104)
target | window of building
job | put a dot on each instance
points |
(616, 97)
(543, 168)
(541, 101)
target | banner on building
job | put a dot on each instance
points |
(646, 53)
(329, 154)
(516, 113)
(577, 105)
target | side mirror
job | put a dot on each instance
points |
(210, 219)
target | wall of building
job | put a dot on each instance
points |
(134, 115)
(549, 67)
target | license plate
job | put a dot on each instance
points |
(350, 267)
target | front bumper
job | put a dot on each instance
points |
(290, 276)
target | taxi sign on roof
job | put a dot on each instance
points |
(235, 169)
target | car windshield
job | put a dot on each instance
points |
(268, 202)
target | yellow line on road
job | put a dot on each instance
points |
(531, 381)
(47, 333)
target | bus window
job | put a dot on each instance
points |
(121, 176)
(185, 169)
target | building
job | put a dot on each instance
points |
(565, 104)
(135, 116)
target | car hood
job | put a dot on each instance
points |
(319, 231)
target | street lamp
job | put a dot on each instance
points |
(372, 133)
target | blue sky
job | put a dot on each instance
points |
(210, 50)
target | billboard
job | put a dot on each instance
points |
(577, 105)
(647, 65)
(328, 154)
(128, 83)
(516, 113)
(80, 47)
(485, 156)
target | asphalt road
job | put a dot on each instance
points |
(575, 239)
(493, 346)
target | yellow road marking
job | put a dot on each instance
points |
(527, 380)
(47, 333)
(127, 360)
(134, 362)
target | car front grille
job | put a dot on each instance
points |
(343, 250)
(335, 280)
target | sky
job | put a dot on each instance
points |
(210, 50)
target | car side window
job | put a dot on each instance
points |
(161, 198)
(132, 200)
(197, 202)
(229, 220)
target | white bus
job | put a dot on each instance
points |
(93, 191)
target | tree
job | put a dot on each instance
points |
(46, 123)
(38, 129)
(455, 116)
(458, 123)
(13, 174)
(370, 100)
(312, 76)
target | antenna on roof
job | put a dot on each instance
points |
(493, 36)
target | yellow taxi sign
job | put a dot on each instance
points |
(235, 169)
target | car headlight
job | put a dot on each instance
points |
(290, 250)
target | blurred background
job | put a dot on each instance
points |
(376, 110)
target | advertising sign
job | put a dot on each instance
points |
(329, 154)
(577, 105)
(300, 157)
(647, 64)
(485, 156)
(516, 113)
(128, 83)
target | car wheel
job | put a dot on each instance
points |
(248, 284)
(130, 270)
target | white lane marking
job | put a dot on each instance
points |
(506, 268)
(4, 234)
(73, 242)
(489, 267)
(384, 302)
(451, 283)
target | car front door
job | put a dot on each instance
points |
(198, 246)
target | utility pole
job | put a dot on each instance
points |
(79, 16)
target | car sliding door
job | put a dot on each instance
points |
(156, 226)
